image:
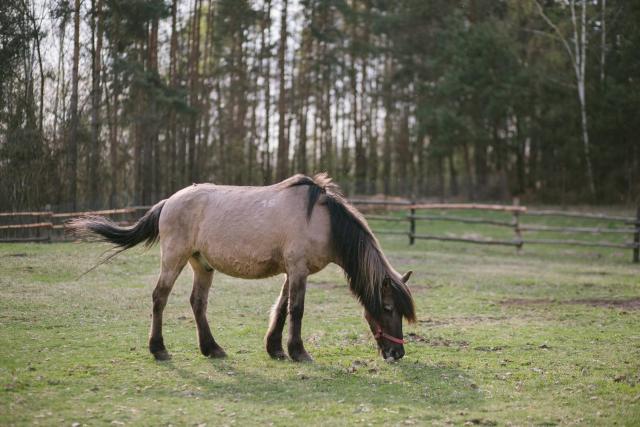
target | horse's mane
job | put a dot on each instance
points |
(357, 249)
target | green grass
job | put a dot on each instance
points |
(73, 350)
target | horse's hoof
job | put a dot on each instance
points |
(302, 357)
(162, 355)
(214, 352)
(277, 355)
(217, 353)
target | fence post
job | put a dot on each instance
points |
(49, 217)
(516, 224)
(636, 237)
(412, 224)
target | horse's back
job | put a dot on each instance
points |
(247, 232)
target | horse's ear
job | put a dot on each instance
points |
(406, 276)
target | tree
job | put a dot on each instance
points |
(578, 57)
(450, 99)
(96, 97)
(72, 153)
(283, 144)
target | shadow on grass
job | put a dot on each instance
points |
(374, 384)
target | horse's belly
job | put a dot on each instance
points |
(247, 266)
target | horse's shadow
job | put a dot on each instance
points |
(374, 384)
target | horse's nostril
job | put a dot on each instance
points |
(397, 354)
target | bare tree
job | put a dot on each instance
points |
(72, 153)
(578, 56)
(31, 15)
(194, 62)
(283, 144)
(603, 39)
(96, 64)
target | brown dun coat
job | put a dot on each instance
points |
(296, 227)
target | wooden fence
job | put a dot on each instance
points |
(48, 226)
(624, 225)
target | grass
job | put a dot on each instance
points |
(537, 338)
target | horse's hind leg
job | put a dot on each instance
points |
(273, 339)
(202, 277)
(171, 268)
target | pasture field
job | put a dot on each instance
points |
(550, 336)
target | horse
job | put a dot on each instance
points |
(296, 227)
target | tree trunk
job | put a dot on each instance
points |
(96, 92)
(441, 178)
(360, 155)
(151, 122)
(112, 117)
(36, 29)
(481, 168)
(402, 155)
(60, 78)
(72, 153)
(265, 40)
(283, 146)
(580, 45)
(303, 85)
(194, 59)
(578, 57)
(453, 175)
(603, 40)
(172, 137)
(205, 154)
(388, 126)
(373, 146)
(468, 172)
(139, 102)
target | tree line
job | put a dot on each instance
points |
(116, 102)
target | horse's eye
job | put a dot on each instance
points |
(388, 308)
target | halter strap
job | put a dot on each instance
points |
(380, 334)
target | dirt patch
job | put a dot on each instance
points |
(593, 273)
(436, 341)
(626, 304)
(489, 348)
(466, 320)
(18, 255)
(433, 322)
(525, 301)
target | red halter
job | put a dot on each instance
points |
(380, 334)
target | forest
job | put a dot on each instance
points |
(109, 103)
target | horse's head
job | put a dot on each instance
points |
(387, 328)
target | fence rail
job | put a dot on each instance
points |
(47, 226)
(517, 212)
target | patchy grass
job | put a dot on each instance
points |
(540, 338)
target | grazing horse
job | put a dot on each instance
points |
(296, 227)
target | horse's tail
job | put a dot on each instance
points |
(103, 229)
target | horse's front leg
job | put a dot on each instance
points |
(273, 339)
(297, 289)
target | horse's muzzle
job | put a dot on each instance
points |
(394, 352)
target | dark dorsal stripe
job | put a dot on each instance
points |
(315, 191)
